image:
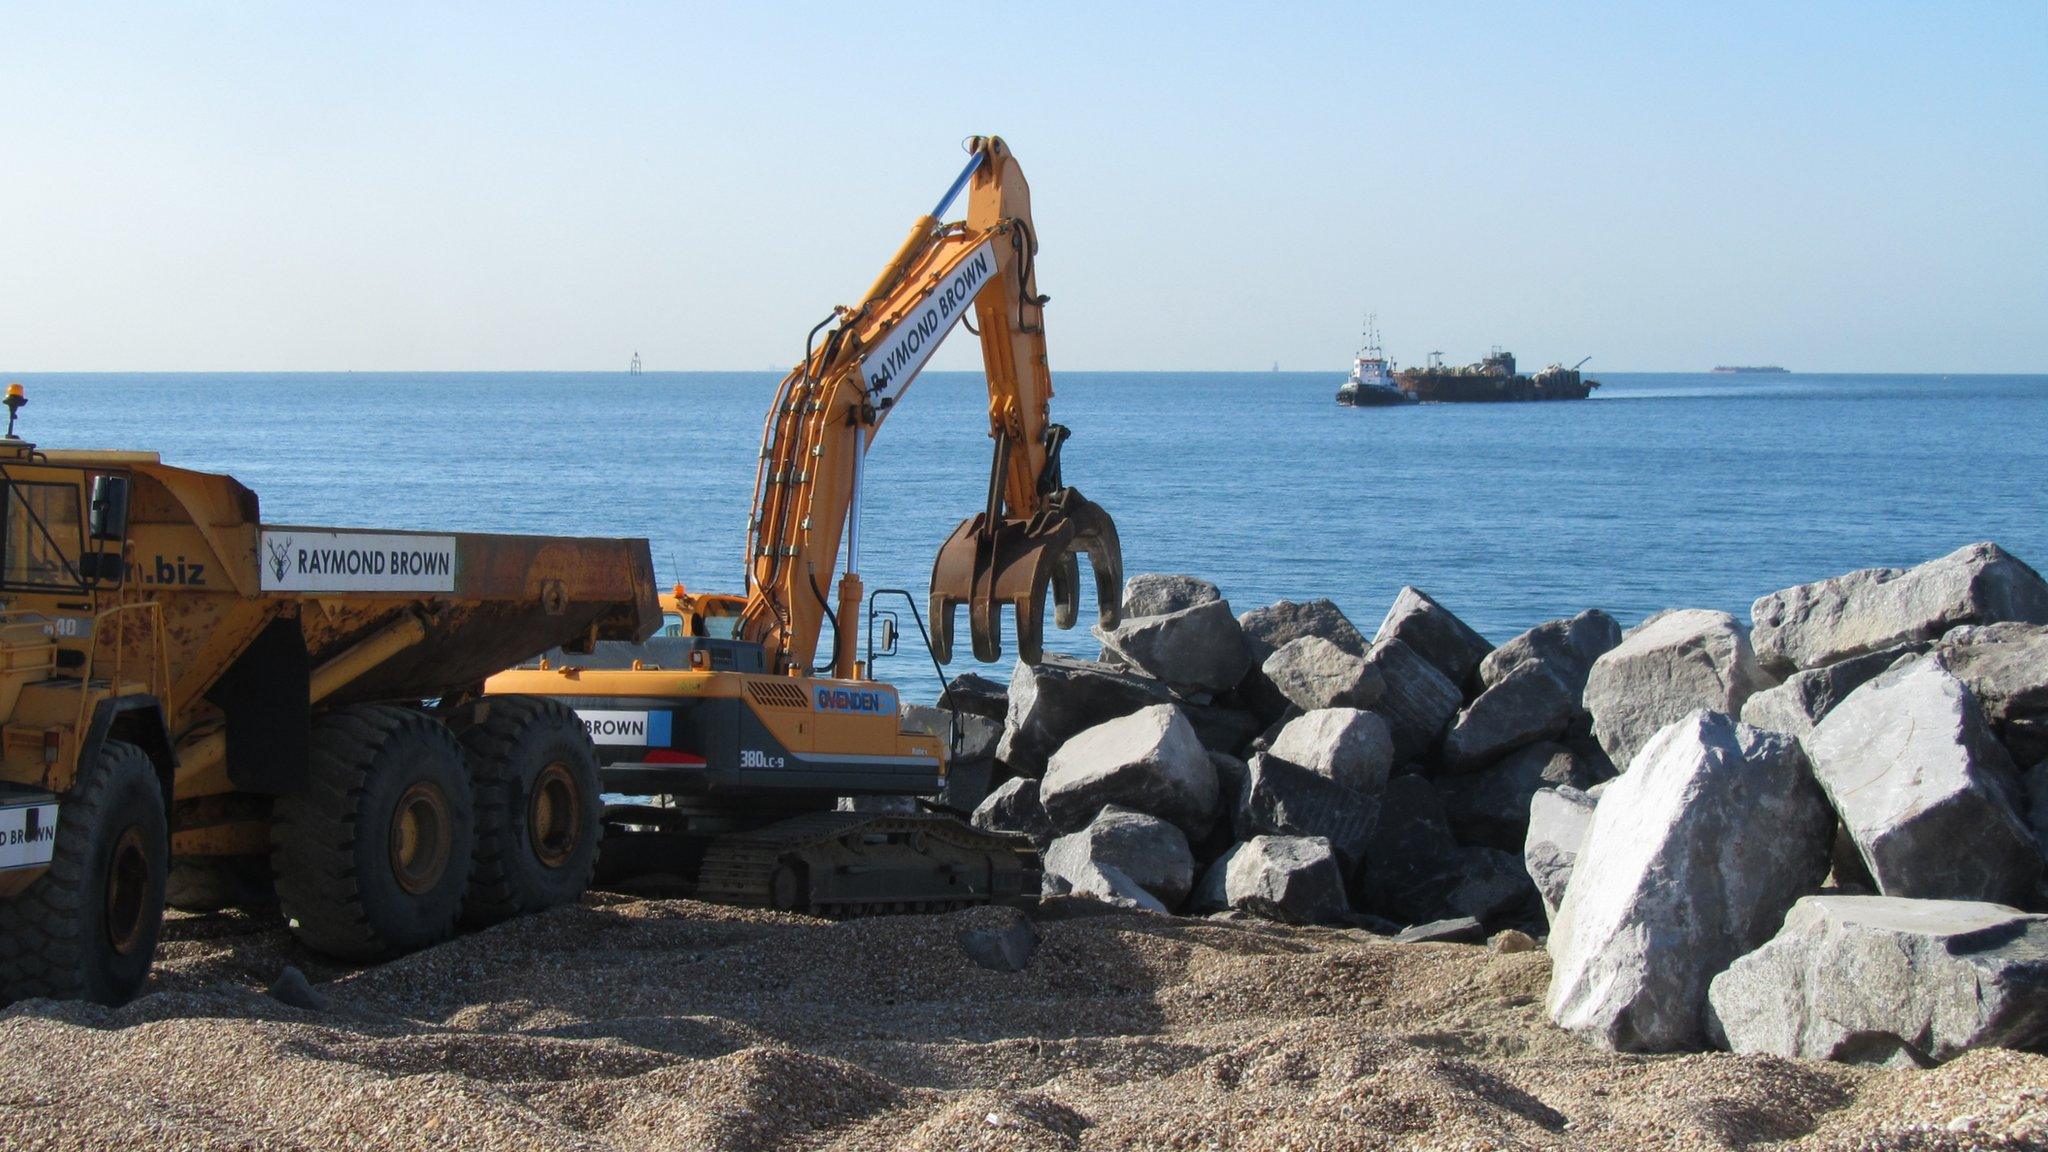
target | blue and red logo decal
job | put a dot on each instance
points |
(860, 701)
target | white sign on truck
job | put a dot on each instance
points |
(28, 835)
(306, 561)
(895, 360)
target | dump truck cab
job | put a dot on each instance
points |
(80, 661)
(84, 692)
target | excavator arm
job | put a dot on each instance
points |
(828, 410)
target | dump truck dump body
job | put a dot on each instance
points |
(507, 597)
(226, 584)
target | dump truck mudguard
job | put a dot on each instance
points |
(269, 718)
(137, 720)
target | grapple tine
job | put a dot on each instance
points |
(1066, 592)
(1095, 534)
(985, 564)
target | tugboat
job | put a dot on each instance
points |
(1371, 384)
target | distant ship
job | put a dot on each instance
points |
(1371, 384)
(1493, 380)
(633, 369)
(1750, 368)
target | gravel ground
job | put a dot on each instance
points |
(667, 1024)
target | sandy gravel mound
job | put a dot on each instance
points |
(628, 1024)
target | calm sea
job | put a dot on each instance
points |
(1663, 490)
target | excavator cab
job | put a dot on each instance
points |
(715, 615)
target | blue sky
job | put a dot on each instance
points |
(1834, 187)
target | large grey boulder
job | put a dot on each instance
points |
(1924, 788)
(1264, 739)
(1694, 856)
(1233, 780)
(2005, 666)
(1814, 625)
(1211, 892)
(1013, 807)
(1351, 747)
(1493, 886)
(1418, 701)
(1151, 852)
(1795, 706)
(1567, 647)
(2026, 738)
(1198, 649)
(1460, 930)
(1673, 664)
(973, 692)
(1414, 871)
(1006, 944)
(1313, 673)
(1150, 760)
(1106, 883)
(1294, 879)
(1559, 819)
(1435, 634)
(1158, 593)
(979, 735)
(1491, 807)
(1530, 704)
(1283, 799)
(1883, 980)
(1058, 698)
(1221, 728)
(968, 783)
(1267, 629)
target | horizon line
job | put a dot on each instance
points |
(9, 373)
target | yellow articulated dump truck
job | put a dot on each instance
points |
(193, 700)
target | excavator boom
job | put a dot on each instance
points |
(829, 408)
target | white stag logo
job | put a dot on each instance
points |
(280, 555)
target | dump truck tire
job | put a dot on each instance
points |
(87, 928)
(212, 883)
(372, 855)
(539, 811)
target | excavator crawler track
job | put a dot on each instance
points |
(846, 864)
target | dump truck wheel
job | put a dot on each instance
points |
(372, 855)
(539, 812)
(212, 883)
(87, 928)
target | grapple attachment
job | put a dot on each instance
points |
(990, 561)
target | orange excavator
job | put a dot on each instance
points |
(731, 737)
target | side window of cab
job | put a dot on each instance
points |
(42, 531)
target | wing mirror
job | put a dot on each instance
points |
(887, 631)
(109, 519)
